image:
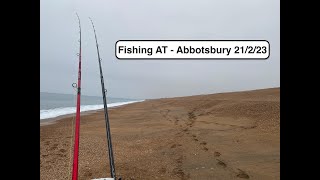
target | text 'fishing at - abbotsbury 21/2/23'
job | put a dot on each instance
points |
(192, 49)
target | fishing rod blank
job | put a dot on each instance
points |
(77, 128)
(110, 151)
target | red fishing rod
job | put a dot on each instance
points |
(77, 128)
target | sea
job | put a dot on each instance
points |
(55, 104)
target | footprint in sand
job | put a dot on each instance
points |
(175, 145)
(205, 148)
(216, 154)
(221, 163)
(242, 174)
(191, 115)
(203, 143)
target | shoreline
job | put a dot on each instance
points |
(50, 121)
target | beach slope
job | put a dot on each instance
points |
(217, 136)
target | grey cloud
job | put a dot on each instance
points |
(145, 19)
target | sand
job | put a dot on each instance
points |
(218, 136)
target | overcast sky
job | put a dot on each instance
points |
(150, 19)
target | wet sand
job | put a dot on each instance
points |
(217, 136)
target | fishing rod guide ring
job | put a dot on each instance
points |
(74, 85)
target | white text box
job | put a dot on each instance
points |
(192, 49)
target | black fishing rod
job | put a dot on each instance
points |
(111, 159)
